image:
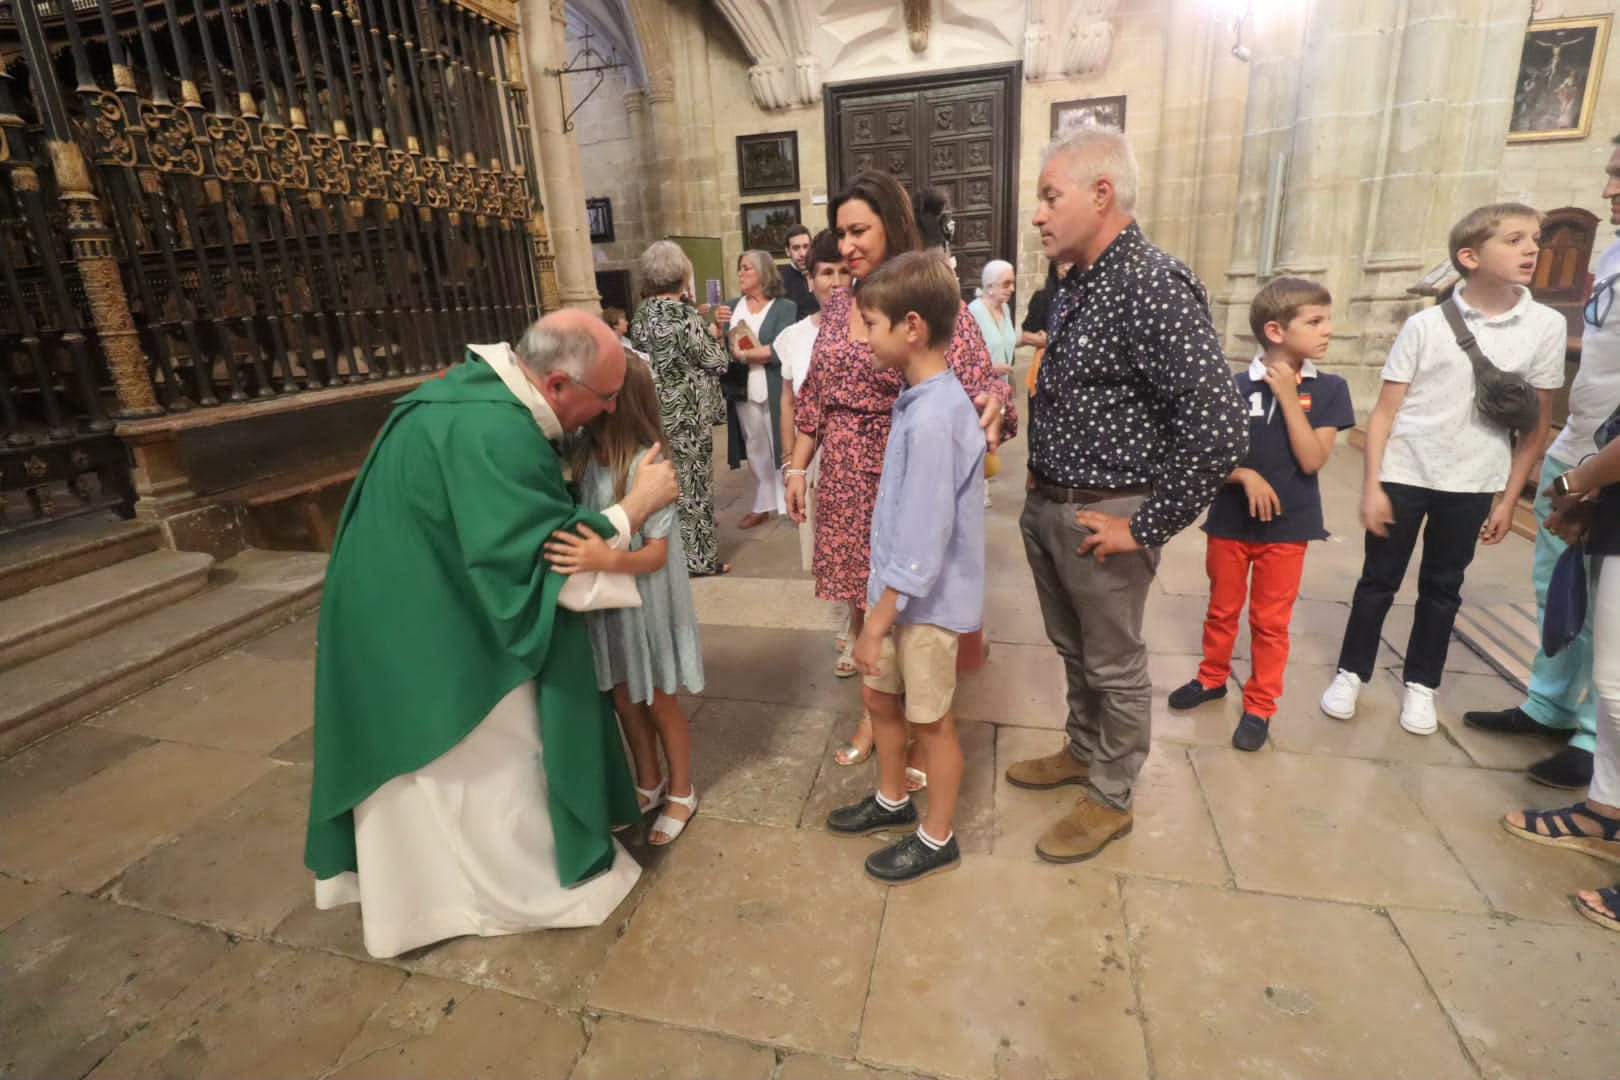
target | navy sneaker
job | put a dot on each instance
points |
(910, 859)
(869, 816)
(1194, 694)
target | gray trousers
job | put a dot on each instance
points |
(1093, 613)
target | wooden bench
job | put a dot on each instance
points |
(303, 487)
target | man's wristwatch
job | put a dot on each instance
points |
(1560, 486)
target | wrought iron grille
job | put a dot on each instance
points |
(207, 201)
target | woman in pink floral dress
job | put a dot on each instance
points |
(846, 405)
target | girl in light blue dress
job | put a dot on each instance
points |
(644, 655)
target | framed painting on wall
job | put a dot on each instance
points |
(767, 163)
(599, 216)
(1108, 111)
(765, 224)
(1559, 71)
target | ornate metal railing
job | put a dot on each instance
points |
(206, 201)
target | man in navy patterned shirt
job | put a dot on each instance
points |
(1139, 427)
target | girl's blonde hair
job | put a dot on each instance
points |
(617, 438)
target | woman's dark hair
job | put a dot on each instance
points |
(935, 225)
(823, 249)
(889, 202)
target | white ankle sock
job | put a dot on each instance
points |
(931, 842)
(887, 805)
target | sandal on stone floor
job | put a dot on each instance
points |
(1562, 832)
(845, 668)
(916, 779)
(1606, 912)
(850, 753)
(654, 797)
(672, 827)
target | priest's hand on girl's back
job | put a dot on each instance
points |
(652, 488)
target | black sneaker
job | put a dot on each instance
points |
(1570, 769)
(910, 860)
(1514, 721)
(869, 816)
(1251, 732)
(1194, 694)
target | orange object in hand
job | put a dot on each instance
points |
(992, 464)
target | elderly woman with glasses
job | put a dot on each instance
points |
(753, 383)
(686, 360)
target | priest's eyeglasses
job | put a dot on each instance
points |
(1597, 309)
(606, 399)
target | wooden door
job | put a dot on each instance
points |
(955, 131)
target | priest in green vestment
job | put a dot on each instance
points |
(467, 770)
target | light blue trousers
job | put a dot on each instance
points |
(1561, 694)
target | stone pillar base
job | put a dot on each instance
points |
(163, 496)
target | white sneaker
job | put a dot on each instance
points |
(1417, 711)
(1339, 699)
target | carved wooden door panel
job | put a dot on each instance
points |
(956, 132)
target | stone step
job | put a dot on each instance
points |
(53, 617)
(1506, 636)
(45, 557)
(246, 596)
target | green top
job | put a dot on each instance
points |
(438, 603)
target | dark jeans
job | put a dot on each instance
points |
(1450, 523)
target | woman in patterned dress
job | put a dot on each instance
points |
(687, 361)
(845, 405)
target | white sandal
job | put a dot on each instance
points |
(671, 827)
(655, 799)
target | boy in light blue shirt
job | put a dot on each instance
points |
(927, 583)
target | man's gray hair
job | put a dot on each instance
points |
(664, 268)
(1092, 151)
(545, 349)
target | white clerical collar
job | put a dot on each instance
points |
(504, 363)
(1257, 368)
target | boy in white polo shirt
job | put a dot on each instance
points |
(1434, 464)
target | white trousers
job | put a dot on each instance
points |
(1606, 681)
(770, 497)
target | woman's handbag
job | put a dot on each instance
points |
(1564, 615)
(1502, 397)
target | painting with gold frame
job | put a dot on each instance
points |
(1559, 72)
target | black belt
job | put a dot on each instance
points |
(1054, 493)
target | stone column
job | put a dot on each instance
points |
(557, 163)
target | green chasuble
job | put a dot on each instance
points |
(438, 603)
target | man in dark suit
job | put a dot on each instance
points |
(794, 283)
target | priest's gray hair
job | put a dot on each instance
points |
(545, 349)
(664, 269)
(1092, 151)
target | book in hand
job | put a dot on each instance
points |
(741, 338)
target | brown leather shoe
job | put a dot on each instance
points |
(1083, 831)
(1053, 770)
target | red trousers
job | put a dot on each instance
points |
(1271, 592)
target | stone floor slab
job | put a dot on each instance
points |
(1018, 684)
(1329, 828)
(1465, 693)
(203, 705)
(1529, 1000)
(19, 898)
(293, 641)
(774, 666)
(261, 1011)
(1516, 876)
(815, 1067)
(755, 762)
(622, 1047)
(555, 967)
(1211, 724)
(1239, 984)
(298, 750)
(1172, 835)
(766, 603)
(763, 933)
(1043, 972)
(432, 1029)
(241, 869)
(90, 832)
(79, 975)
(1301, 727)
(1460, 659)
(50, 767)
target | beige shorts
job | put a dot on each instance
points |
(919, 661)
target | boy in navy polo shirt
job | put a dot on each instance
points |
(1270, 507)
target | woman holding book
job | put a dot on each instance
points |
(753, 382)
